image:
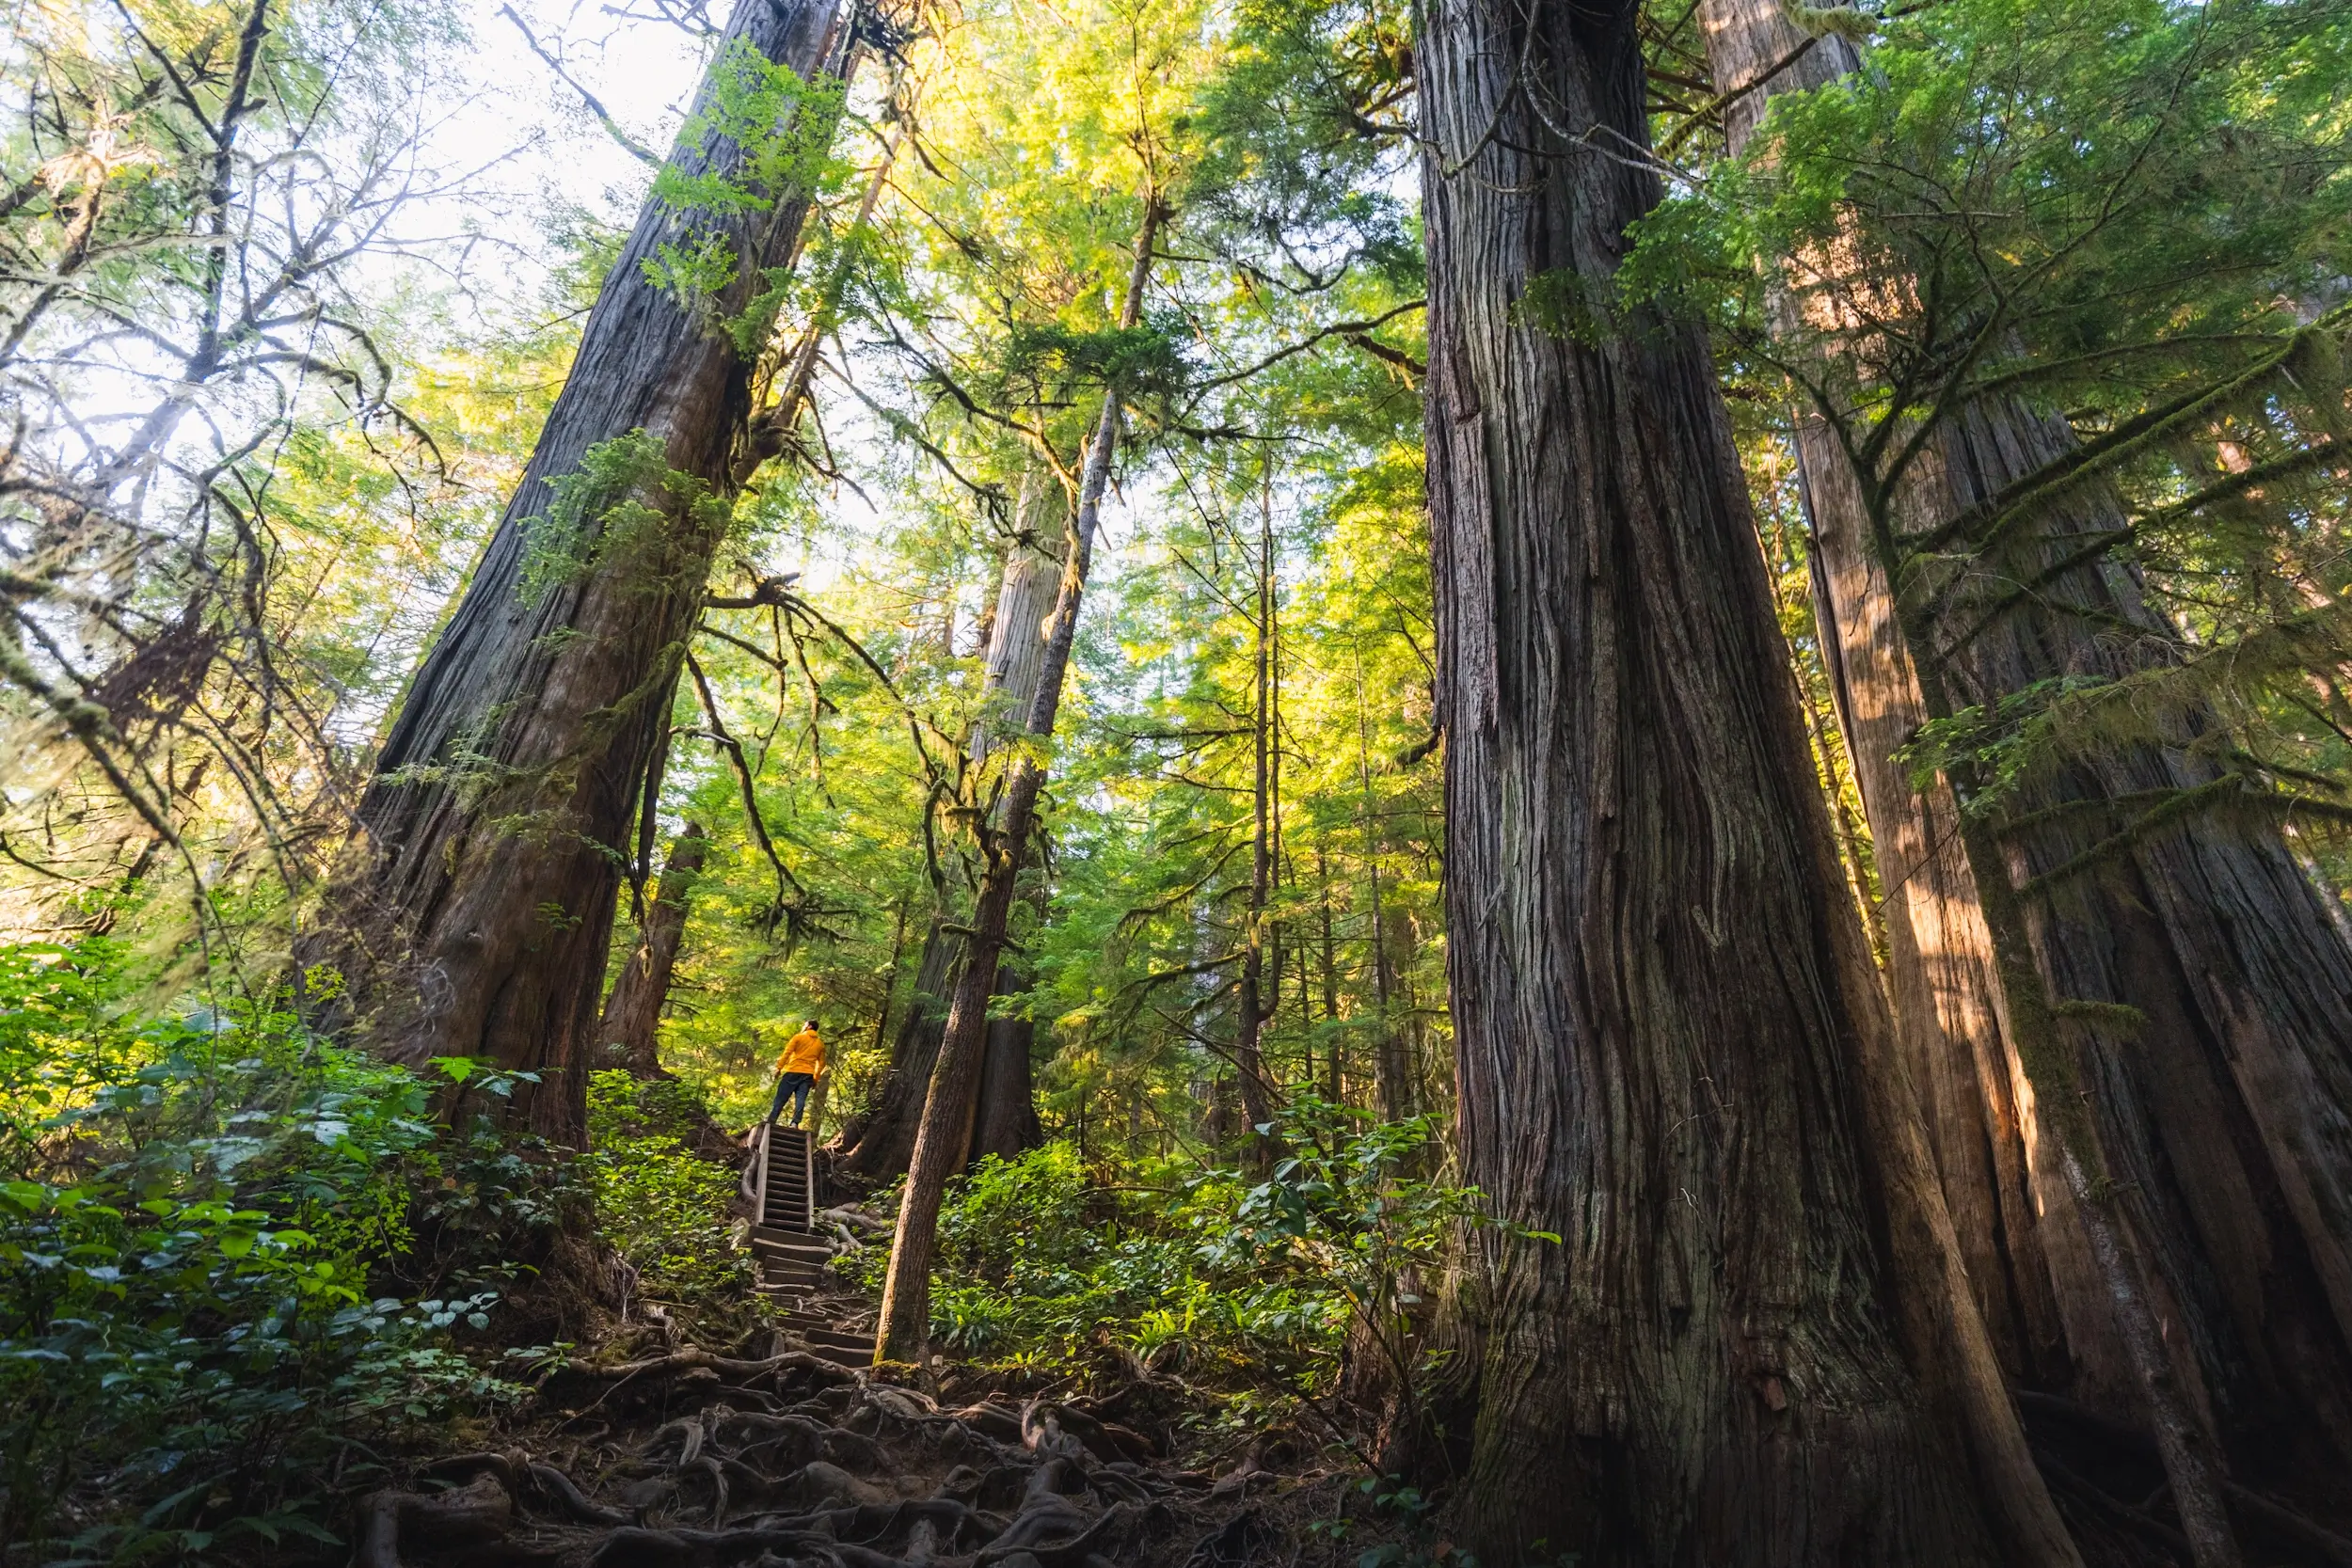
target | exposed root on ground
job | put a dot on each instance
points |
(696, 1460)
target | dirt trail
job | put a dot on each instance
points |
(691, 1460)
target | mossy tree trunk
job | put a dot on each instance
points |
(1670, 1045)
(2227, 1116)
(474, 916)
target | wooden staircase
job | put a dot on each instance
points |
(792, 1257)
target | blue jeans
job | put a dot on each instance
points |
(796, 1085)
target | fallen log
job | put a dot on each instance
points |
(471, 1515)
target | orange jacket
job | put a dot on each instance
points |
(803, 1052)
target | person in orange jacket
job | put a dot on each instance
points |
(798, 1070)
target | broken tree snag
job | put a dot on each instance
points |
(473, 913)
(1661, 987)
(632, 1014)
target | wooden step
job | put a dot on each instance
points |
(786, 1201)
(801, 1284)
(793, 1259)
(814, 1268)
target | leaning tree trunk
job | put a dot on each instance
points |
(943, 1142)
(2229, 1114)
(632, 1013)
(880, 1146)
(475, 920)
(1667, 1029)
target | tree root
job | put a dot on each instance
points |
(856, 1474)
(694, 1358)
(576, 1503)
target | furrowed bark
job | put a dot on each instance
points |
(1972, 1285)
(1661, 995)
(879, 1147)
(2229, 1113)
(474, 916)
(632, 1013)
(944, 1137)
(2013, 1211)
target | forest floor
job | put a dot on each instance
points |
(687, 1459)
(643, 1449)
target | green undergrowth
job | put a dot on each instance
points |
(239, 1266)
(1244, 1288)
(662, 1208)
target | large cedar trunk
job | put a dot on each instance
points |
(877, 1147)
(1661, 990)
(2227, 1116)
(475, 919)
(2028, 1261)
(632, 1013)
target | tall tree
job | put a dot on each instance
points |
(2199, 981)
(944, 1137)
(1254, 1004)
(2028, 1260)
(475, 917)
(1020, 618)
(1670, 1045)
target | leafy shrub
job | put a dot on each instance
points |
(1202, 1271)
(659, 1205)
(190, 1212)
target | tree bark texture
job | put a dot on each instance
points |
(2228, 1116)
(633, 1012)
(2029, 1259)
(476, 917)
(1661, 989)
(879, 1147)
(944, 1137)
